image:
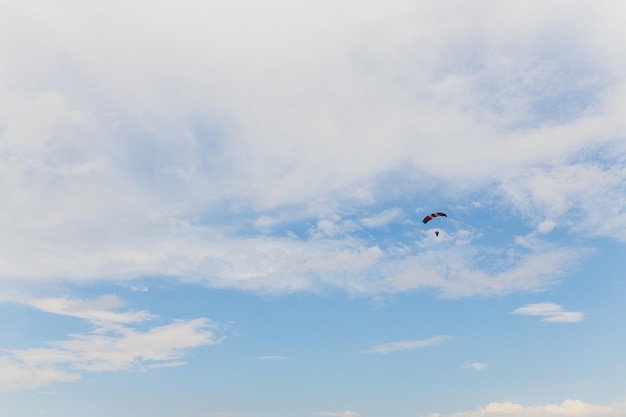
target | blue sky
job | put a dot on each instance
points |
(214, 209)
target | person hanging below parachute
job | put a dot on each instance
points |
(432, 216)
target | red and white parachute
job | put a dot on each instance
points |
(433, 215)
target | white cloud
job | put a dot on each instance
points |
(15, 376)
(384, 218)
(117, 348)
(551, 312)
(476, 366)
(172, 364)
(109, 348)
(546, 226)
(327, 226)
(455, 267)
(566, 408)
(406, 345)
(587, 197)
(347, 413)
(456, 270)
(97, 310)
(265, 222)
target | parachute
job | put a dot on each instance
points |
(433, 215)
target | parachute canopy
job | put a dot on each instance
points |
(433, 215)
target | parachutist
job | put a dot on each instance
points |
(432, 216)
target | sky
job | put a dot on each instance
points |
(214, 209)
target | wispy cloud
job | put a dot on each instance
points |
(551, 312)
(111, 348)
(383, 218)
(278, 264)
(96, 310)
(272, 358)
(406, 345)
(16, 376)
(476, 366)
(528, 265)
(572, 193)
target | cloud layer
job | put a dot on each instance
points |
(149, 152)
